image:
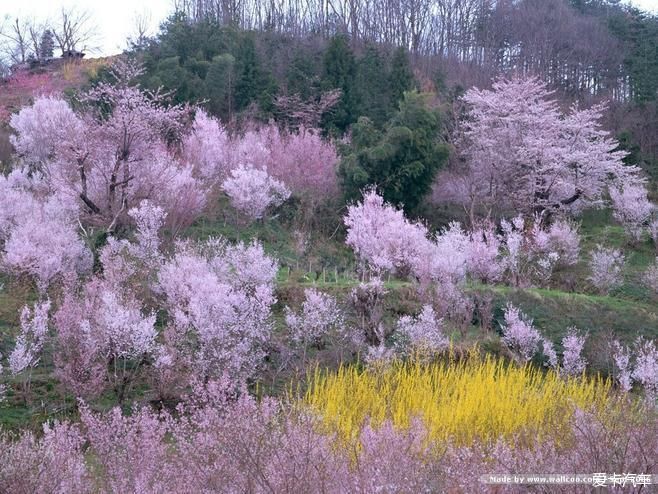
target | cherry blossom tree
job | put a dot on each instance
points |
(208, 148)
(319, 317)
(421, 334)
(302, 160)
(483, 255)
(523, 153)
(253, 191)
(382, 237)
(519, 334)
(606, 267)
(632, 209)
(30, 340)
(38, 234)
(29, 343)
(117, 150)
(639, 365)
(103, 338)
(220, 296)
(42, 128)
(530, 253)
(573, 362)
(650, 277)
(646, 367)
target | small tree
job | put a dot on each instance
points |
(253, 191)
(632, 209)
(606, 267)
(46, 46)
(519, 334)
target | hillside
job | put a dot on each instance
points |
(321, 253)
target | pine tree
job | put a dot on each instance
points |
(372, 87)
(46, 46)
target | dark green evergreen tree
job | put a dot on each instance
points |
(220, 86)
(402, 77)
(402, 160)
(372, 87)
(46, 45)
(339, 70)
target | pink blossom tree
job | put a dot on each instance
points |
(573, 362)
(103, 338)
(519, 334)
(606, 267)
(639, 365)
(382, 237)
(523, 152)
(645, 371)
(320, 317)
(207, 147)
(622, 358)
(253, 191)
(52, 462)
(109, 161)
(422, 334)
(631, 208)
(29, 343)
(531, 253)
(219, 296)
(41, 128)
(39, 237)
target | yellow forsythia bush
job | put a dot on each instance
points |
(477, 399)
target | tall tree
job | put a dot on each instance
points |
(402, 77)
(372, 87)
(339, 73)
(220, 85)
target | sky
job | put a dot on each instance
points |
(115, 19)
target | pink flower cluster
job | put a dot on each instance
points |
(606, 267)
(107, 163)
(519, 334)
(320, 316)
(303, 161)
(422, 334)
(631, 208)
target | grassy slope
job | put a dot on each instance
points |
(624, 314)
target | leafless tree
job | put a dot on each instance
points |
(14, 36)
(141, 30)
(74, 31)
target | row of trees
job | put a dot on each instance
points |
(583, 46)
(237, 72)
